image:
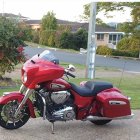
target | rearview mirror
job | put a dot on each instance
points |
(71, 68)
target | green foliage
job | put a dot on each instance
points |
(49, 22)
(47, 38)
(129, 44)
(25, 31)
(74, 41)
(104, 50)
(44, 35)
(11, 45)
(48, 29)
(51, 39)
(66, 40)
(81, 39)
(127, 53)
(111, 6)
(35, 36)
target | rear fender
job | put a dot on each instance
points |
(17, 96)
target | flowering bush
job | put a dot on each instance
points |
(11, 45)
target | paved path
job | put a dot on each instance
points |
(37, 129)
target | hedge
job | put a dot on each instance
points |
(104, 50)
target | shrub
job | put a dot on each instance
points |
(128, 43)
(35, 37)
(74, 41)
(11, 45)
(103, 50)
(134, 53)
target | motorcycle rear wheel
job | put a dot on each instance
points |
(7, 119)
(101, 122)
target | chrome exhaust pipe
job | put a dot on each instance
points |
(96, 118)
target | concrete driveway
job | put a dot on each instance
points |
(37, 129)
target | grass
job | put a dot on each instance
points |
(9, 89)
(43, 46)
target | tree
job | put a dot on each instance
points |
(49, 22)
(111, 6)
(26, 31)
(48, 29)
(74, 41)
(11, 45)
(120, 6)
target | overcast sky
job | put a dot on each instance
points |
(64, 9)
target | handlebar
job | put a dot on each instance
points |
(70, 74)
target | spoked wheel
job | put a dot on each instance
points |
(7, 119)
(101, 122)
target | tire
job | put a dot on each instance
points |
(7, 112)
(101, 122)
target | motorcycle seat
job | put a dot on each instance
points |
(91, 88)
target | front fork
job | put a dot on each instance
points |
(27, 94)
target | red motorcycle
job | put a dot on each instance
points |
(45, 93)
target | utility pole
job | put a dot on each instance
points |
(3, 8)
(91, 52)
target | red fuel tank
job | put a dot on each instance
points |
(58, 85)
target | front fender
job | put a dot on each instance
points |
(17, 96)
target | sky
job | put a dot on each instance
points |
(64, 9)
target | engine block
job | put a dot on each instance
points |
(60, 97)
(65, 114)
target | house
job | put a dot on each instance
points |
(105, 35)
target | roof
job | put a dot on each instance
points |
(58, 22)
(76, 25)
(99, 28)
(33, 21)
(11, 15)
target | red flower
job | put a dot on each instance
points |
(20, 49)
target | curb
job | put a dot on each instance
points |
(121, 57)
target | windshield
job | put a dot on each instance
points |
(47, 55)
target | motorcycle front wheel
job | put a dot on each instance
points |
(7, 119)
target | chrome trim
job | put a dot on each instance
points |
(22, 89)
(44, 109)
(96, 118)
(27, 94)
(113, 102)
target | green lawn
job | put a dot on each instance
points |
(9, 89)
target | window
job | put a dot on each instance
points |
(100, 36)
(120, 36)
(114, 38)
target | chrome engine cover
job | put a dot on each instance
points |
(60, 97)
(65, 114)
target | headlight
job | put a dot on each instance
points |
(25, 77)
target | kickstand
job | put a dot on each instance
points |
(52, 127)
